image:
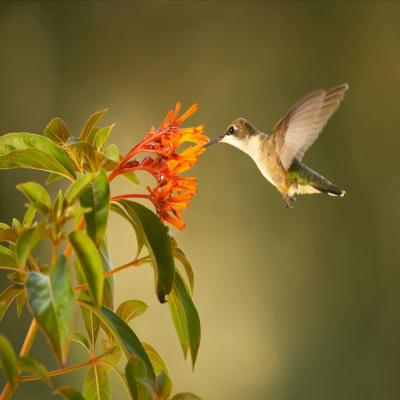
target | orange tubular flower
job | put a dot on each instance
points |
(172, 193)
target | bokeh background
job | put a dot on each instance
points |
(294, 305)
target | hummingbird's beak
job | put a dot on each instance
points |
(217, 139)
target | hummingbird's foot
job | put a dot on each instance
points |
(286, 199)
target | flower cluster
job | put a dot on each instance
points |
(172, 193)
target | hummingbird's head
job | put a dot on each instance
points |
(237, 134)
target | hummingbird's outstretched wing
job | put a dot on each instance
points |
(301, 126)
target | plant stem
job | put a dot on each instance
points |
(30, 336)
(135, 263)
(53, 255)
(139, 168)
(22, 271)
(7, 392)
(115, 270)
(131, 196)
(26, 347)
(65, 370)
(32, 260)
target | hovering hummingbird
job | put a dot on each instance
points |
(279, 155)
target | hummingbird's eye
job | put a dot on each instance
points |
(231, 129)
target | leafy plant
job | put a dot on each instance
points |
(48, 290)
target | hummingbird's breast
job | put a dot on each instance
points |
(264, 155)
(266, 158)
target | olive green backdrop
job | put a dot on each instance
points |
(294, 305)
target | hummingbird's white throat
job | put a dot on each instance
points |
(251, 144)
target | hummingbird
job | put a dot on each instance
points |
(279, 155)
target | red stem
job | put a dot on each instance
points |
(131, 196)
(136, 149)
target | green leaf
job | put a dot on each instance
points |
(76, 189)
(92, 322)
(33, 367)
(52, 300)
(131, 309)
(115, 354)
(39, 207)
(135, 370)
(79, 338)
(97, 197)
(57, 210)
(57, 131)
(109, 337)
(89, 263)
(28, 241)
(180, 256)
(151, 387)
(8, 360)
(120, 211)
(112, 160)
(185, 317)
(17, 277)
(131, 176)
(52, 178)
(112, 153)
(97, 384)
(186, 396)
(75, 211)
(92, 135)
(188, 268)
(121, 376)
(8, 235)
(8, 258)
(109, 283)
(21, 297)
(84, 148)
(91, 124)
(16, 225)
(123, 335)
(35, 152)
(155, 237)
(163, 385)
(156, 360)
(101, 137)
(37, 194)
(28, 218)
(69, 393)
(8, 296)
(179, 320)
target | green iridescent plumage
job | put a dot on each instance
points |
(300, 174)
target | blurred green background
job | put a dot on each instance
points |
(294, 305)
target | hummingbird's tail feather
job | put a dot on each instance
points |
(308, 181)
(329, 188)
